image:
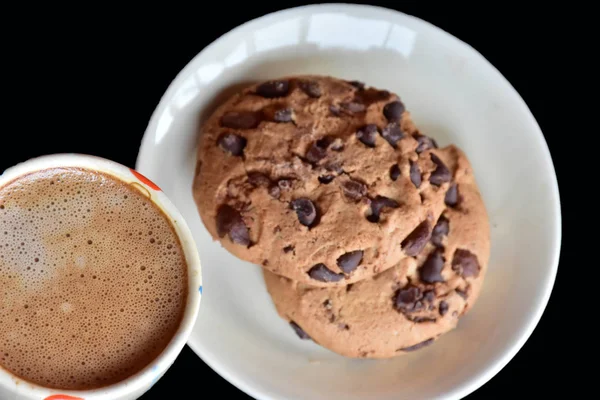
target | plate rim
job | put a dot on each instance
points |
(478, 379)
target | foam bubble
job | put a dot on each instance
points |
(86, 300)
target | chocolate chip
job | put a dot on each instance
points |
(284, 184)
(451, 198)
(258, 179)
(382, 94)
(394, 172)
(299, 331)
(424, 143)
(353, 106)
(315, 153)
(230, 222)
(443, 308)
(232, 143)
(393, 111)
(334, 167)
(241, 119)
(317, 150)
(357, 84)
(429, 296)
(418, 345)
(371, 96)
(325, 179)
(287, 249)
(463, 293)
(275, 191)
(441, 173)
(349, 261)
(420, 319)
(377, 204)
(392, 133)
(407, 299)
(354, 190)
(335, 110)
(311, 88)
(321, 273)
(367, 134)
(283, 115)
(349, 287)
(416, 240)
(384, 202)
(327, 141)
(415, 174)
(306, 211)
(431, 270)
(441, 229)
(272, 89)
(465, 263)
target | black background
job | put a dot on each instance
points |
(87, 81)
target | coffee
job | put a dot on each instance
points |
(93, 279)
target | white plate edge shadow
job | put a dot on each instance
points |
(481, 377)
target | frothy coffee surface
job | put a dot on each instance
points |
(93, 280)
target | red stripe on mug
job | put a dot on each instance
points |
(144, 179)
(62, 397)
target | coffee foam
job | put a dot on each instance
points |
(93, 279)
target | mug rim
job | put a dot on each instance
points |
(149, 374)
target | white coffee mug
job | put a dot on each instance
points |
(15, 388)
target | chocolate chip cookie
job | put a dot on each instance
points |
(320, 180)
(409, 305)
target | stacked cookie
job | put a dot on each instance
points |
(373, 240)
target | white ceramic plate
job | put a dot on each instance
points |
(454, 95)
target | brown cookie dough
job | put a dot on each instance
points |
(405, 307)
(319, 180)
